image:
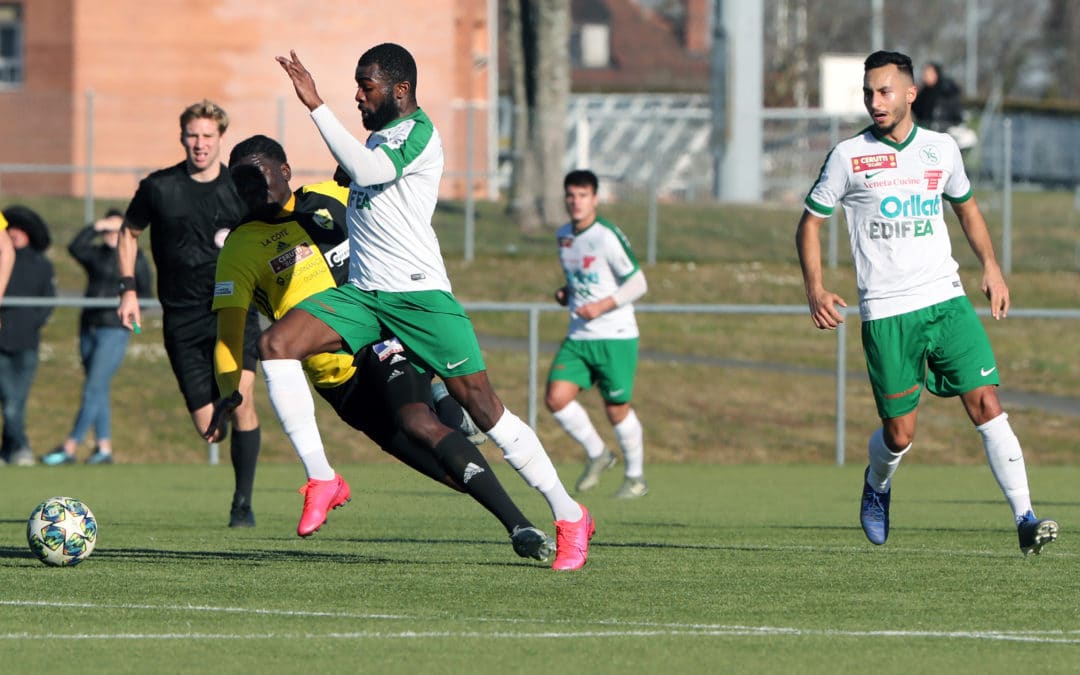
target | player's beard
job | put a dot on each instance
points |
(381, 116)
(898, 116)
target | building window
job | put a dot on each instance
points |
(590, 45)
(595, 45)
(11, 45)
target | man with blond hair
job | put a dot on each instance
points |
(193, 205)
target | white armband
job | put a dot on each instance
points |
(631, 288)
(364, 166)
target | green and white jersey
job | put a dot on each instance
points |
(594, 262)
(892, 197)
(393, 246)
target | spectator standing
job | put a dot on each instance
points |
(103, 339)
(31, 277)
(937, 105)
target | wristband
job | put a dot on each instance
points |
(126, 284)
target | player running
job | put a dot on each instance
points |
(294, 245)
(893, 180)
(397, 278)
(603, 280)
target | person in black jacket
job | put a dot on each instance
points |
(938, 105)
(32, 276)
(102, 338)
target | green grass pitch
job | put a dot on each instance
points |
(718, 569)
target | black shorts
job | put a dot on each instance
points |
(190, 336)
(369, 400)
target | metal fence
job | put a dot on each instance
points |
(636, 141)
(532, 311)
(1036, 148)
(649, 149)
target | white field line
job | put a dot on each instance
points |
(619, 629)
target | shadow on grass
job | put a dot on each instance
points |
(163, 555)
(259, 556)
(999, 502)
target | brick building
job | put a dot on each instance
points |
(126, 68)
(627, 46)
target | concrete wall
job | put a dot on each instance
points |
(145, 61)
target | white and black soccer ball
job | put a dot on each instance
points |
(61, 531)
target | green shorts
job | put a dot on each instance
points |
(611, 364)
(943, 347)
(432, 324)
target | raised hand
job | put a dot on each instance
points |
(302, 81)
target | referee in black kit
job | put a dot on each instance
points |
(192, 206)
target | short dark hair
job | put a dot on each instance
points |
(113, 213)
(395, 62)
(883, 58)
(582, 178)
(26, 219)
(257, 145)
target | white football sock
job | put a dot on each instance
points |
(1006, 460)
(288, 391)
(883, 461)
(575, 421)
(523, 451)
(632, 442)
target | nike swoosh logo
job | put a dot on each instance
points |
(451, 366)
(986, 371)
(1015, 459)
(870, 176)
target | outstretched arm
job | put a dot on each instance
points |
(822, 301)
(978, 236)
(362, 164)
(303, 82)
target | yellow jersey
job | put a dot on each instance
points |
(278, 262)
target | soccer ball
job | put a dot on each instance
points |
(61, 531)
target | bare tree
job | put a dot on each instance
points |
(537, 36)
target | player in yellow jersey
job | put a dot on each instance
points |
(294, 245)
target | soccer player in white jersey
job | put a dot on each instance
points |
(397, 279)
(919, 330)
(603, 280)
